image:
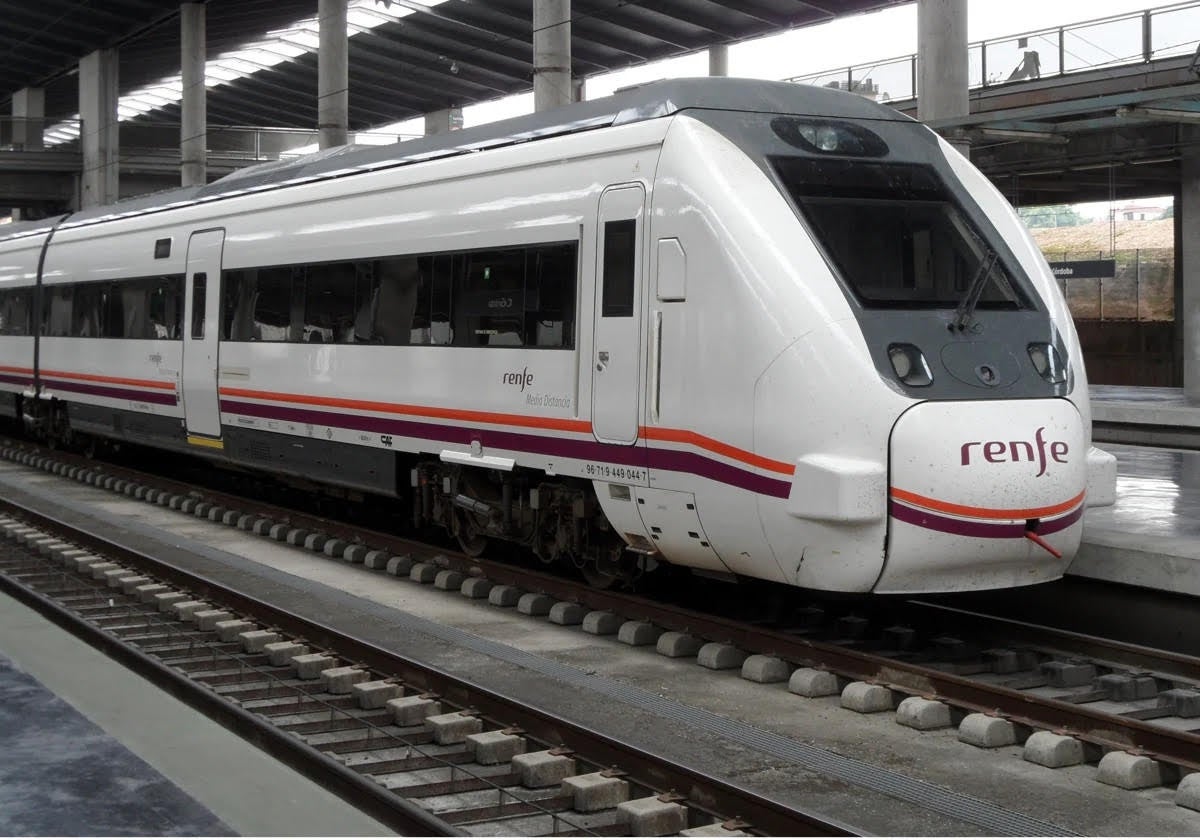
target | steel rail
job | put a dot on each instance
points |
(1126, 654)
(697, 788)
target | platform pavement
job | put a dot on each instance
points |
(61, 774)
(1143, 406)
(1151, 536)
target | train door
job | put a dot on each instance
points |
(201, 405)
(617, 345)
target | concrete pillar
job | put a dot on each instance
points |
(942, 62)
(29, 112)
(551, 54)
(333, 76)
(193, 132)
(1187, 220)
(439, 122)
(98, 132)
(718, 60)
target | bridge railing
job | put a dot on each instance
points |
(1131, 38)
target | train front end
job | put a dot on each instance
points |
(934, 400)
(979, 498)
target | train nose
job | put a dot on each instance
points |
(983, 497)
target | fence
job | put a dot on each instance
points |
(1105, 42)
(1126, 323)
(1142, 290)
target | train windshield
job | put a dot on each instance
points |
(897, 235)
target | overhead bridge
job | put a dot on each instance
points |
(1086, 112)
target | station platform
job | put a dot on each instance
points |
(62, 775)
(1151, 536)
(1148, 416)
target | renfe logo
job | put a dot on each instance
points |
(523, 378)
(998, 451)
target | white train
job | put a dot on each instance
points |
(754, 329)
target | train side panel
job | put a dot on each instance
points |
(18, 276)
(106, 357)
(497, 406)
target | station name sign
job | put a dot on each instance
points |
(1084, 268)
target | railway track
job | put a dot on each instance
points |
(416, 748)
(1108, 695)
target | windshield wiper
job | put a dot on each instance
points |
(966, 306)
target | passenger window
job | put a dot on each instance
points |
(489, 301)
(86, 311)
(165, 306)
(329, 304)
(199, 299)
(14, 311)
(510, 297)
(271, 304)
(56, 311)
(551, 305)
(620, 265)
(444, 268)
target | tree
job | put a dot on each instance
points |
(1050, 215)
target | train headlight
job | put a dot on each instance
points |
(827, 137)
(1048, 363)
(824, 138)
(909, 364)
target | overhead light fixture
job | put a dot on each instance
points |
(1179, 115)
(1024, 136)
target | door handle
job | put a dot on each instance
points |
(601, 359)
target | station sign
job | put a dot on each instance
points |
(1072, 269)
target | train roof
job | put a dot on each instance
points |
(644, 102)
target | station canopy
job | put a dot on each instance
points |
(406, 57)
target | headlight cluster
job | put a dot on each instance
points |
(1048, 363)
(913, 370)
(909, 364)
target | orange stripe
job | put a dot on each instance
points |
(578, 426)
(7, 369)
(702, 442)
(982, 512)
(115, 380)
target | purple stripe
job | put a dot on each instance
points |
(696, 464)
(158, 397)
(11, 379)
(583, 450)
(985, 530)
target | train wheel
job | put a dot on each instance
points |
(469, 539)
(596, 578)
(473, 545)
